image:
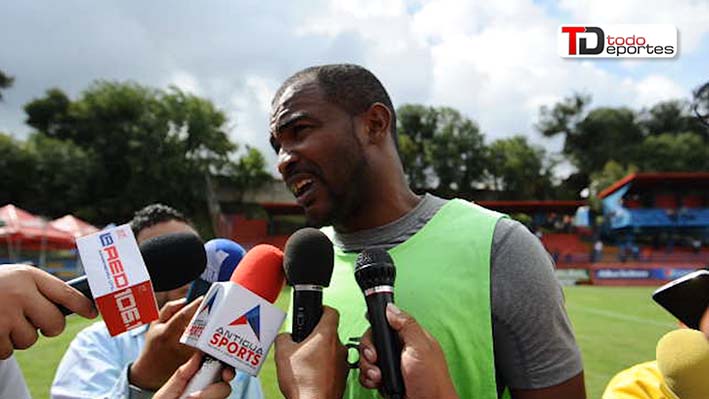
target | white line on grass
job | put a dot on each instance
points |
(620, 316)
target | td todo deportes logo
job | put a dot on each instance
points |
(617, 41)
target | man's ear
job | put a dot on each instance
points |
(377, 122)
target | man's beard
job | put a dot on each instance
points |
(347, 203)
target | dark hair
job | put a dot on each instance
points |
(352, 87)
(154, 214)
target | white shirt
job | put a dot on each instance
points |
(12, 383)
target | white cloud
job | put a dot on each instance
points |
(495, 61)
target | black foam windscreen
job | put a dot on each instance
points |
(173, 260)
(309, 258)
(374, 267)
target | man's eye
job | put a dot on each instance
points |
(300, 128)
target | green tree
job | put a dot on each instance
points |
(16, 171)
(441, 150)
(687, 152)
(700, 106)
(591, 138)
(145, 145)
(60, 173)
(249, 171)
(671, 117)
(519, 169)
(5, 82)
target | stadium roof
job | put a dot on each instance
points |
(647, 180)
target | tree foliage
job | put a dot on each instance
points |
(665, 137)
(520, 170)
(591, 138)
(442, 151)
(5, 82)
(130, 145)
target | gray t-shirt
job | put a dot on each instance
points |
(533, 341)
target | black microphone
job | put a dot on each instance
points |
(172, 260)
(308, 262)
(375, 274)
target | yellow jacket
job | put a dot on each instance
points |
(642, 381)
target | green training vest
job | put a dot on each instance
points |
(442, 280)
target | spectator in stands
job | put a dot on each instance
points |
(597, 250)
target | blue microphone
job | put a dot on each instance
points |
(223, 255)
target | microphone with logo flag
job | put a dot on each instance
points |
(223, 256)
(237, 322)
(120, 276)
(375, 274)
(309, 259)
(163, 256)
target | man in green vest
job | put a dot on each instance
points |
(480, 284)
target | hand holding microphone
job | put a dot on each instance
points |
(311, 362)
(29, 298)
(237, 322)
(397, 356)
(177, 384)
(163, 353)
(375, 275)
(316, 367)
(172, 260)
(423, 364)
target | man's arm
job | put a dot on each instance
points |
(571, 388)
(536, 354)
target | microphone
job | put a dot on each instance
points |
(172, 260)
(683, 359)
(260, 274)
(309, 260)
(375, 274)
(223, 256)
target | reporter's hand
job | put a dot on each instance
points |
(704, 324)
(163, 353)
(176, 385)
(315, 368)
(29, 296)
(423, 364)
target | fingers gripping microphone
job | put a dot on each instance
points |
(375, 274)
(261, 273)
(172, 260)
(309, 260)
(223, 256)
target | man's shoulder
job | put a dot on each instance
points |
(93, 331)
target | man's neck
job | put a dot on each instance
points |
(380, 211)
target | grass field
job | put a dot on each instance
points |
(615, 327)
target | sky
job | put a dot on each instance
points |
(495, 61)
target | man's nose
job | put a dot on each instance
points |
(286, 161)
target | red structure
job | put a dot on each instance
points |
(23, 230)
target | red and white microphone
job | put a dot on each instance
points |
(237, 322)
(118, 278)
